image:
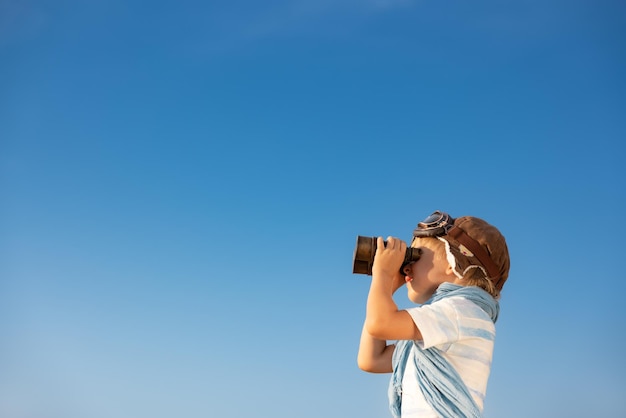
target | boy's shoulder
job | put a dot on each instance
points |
(453, 308)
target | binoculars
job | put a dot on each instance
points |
(365, 251)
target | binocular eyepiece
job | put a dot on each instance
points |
(365, 251)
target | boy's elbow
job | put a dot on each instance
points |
(376, 329)
(367, 365)
(375, 364)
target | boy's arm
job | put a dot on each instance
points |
(374, 355)
(383, 320)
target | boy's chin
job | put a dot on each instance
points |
(418, 298)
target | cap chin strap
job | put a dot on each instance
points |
(452, 261)
(479, 252)
(450, 258)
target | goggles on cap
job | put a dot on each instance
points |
(441, 224)
(436, 225)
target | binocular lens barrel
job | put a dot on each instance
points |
(365, 251)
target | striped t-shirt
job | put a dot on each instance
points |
(465, 335)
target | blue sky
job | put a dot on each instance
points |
(182, 184)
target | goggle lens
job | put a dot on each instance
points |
(437, 224)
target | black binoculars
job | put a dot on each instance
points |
(365, 251)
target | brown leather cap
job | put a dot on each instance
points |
(473, 241)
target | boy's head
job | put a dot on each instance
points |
(476, 250)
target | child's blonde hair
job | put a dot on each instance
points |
(475, 277)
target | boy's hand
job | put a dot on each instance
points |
(388, 260)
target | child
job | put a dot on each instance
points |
(441, 362)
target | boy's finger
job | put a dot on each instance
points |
(380, 244)
(395, 243)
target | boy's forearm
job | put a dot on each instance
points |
(380, 303)
(383, 320)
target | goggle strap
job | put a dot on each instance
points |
(479, 252)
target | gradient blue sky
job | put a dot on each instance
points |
(182, 184)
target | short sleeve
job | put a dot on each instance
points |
(438, 323)
(449, 320)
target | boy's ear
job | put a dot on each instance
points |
(449, 271)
